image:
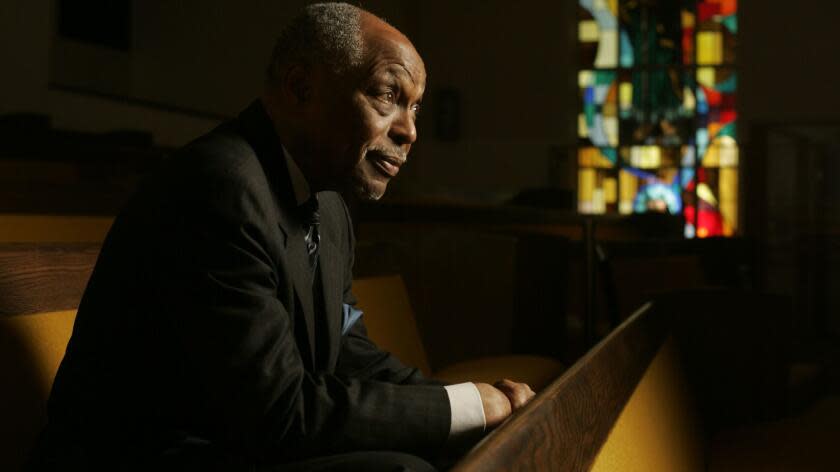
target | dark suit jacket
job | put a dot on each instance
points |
(199, 331)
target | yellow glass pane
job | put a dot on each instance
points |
(611, 129)
(705, 193)
(586, 188)
(598, 204)
(592, 157)
(629, 187)
(645, 157)
(689, 102)
(588, 31)
(607, 49)
(728, 152)
(712, 157)
(625, 95)
(709, 47)
(722, 153)
(610, 191)
(728, 192)
(706, 76)
(687, 19)
(583, 130)
(586, 78)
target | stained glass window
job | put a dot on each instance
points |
(657, 126)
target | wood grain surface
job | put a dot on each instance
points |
(564, 427)
(37, 277)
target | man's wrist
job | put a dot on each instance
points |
(467, 410)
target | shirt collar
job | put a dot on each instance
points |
(300, 187)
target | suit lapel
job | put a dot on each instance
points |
(256, 126)
(298, 266)
(328, 260)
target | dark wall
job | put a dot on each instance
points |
(511, 65)
(788, 61)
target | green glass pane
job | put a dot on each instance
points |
(654, 31)
(656, 107)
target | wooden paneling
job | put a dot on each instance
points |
(39, 228)
(36, 278)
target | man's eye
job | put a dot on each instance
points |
(416, 109)
(388, 97)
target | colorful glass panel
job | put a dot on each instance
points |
(717, 202)
(598, 122)
(657, 128)
(654, 30)
(598, 33)
(659, 109)
(687, 21)
(597, 190)
(716, 114)
(653, 178)
(717, 25)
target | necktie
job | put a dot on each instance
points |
(311, 220)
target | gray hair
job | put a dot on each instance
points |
(322, 33)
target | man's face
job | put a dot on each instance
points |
(363, 123)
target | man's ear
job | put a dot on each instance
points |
(297, 83)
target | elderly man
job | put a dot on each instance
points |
(218, 329)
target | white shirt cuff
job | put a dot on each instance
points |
(467, 410)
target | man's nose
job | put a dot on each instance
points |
(403, 130)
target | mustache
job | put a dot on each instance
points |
(394, 153)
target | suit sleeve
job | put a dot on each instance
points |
(239, 350)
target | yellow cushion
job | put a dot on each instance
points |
(390, 320)
(31, 348)
(390, 323)
(535, 371)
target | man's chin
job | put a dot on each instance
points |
(369, 189)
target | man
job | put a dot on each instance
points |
(218, 328)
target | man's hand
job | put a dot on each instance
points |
(518, 393)
(496, 404)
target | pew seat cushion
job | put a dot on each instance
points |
(389, 319)
(31, 348)
(390, 323)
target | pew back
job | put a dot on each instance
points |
(16, 228)
(40, 288)
(658, 428)
(648, 396)
(564, 427)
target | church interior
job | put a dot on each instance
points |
(626, 202)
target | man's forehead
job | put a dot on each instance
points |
(388, 46)
(399, 69)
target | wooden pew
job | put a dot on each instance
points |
(40, 228)
(41, 285)
(670, 389)
(564, 426)
(40, 288)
